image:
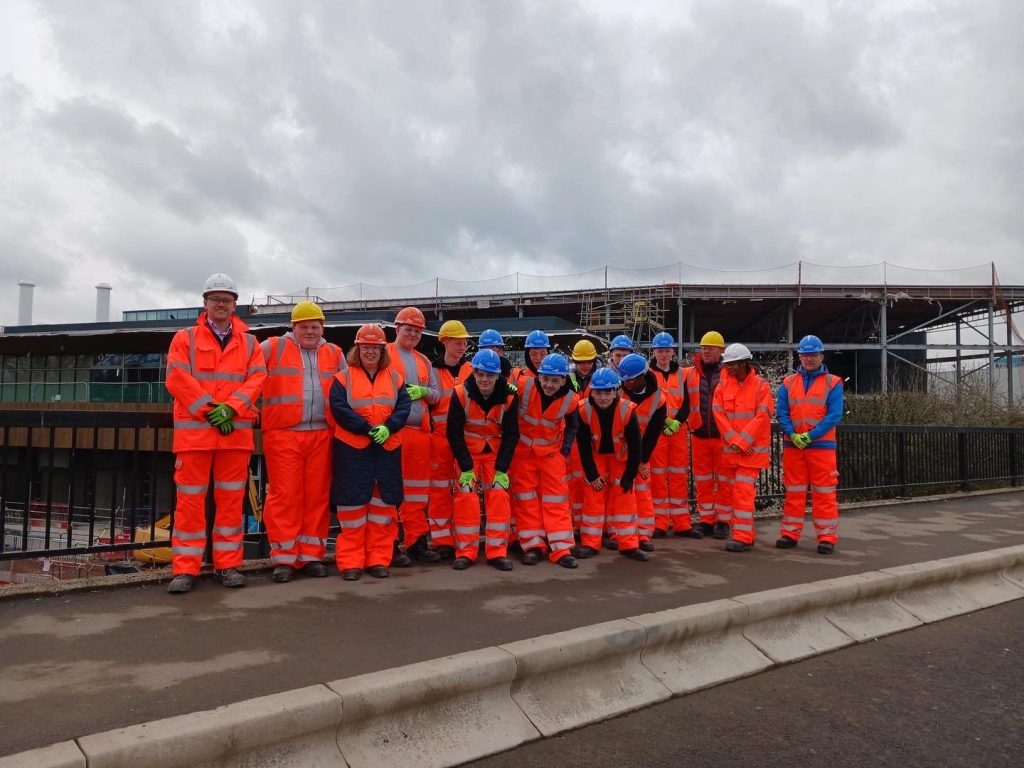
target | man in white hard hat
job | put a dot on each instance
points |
(215, 371)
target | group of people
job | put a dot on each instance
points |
(559, 458)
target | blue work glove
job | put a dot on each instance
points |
(467, 478)
(501, 480)
(671, 427)
(226, 428)
(220, 414)
(415, 391)
(380, 434)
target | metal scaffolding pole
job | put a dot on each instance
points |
(679, 319)
(959, 364)
(883, 339)
(1009, 360)
(991, 351)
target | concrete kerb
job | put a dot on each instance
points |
(941, 589)
(573, 678)
(699, 646)
(452, 710)
(432, 714)
(298, 727)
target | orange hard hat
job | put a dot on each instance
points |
(370, 334)
(411, 316)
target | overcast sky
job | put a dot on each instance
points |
(292, 144)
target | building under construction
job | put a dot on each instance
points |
(879, 335)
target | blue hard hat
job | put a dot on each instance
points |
(554, 365)
(537, 340)
(663, 340)
(809, 345)
(604, 378)
(491, 338)
(487, 360)
(622, 341)
(632, 366)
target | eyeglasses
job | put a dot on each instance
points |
(220, 300)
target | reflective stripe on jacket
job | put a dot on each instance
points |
(483, 429)
(446, 383)
(200, 373)
(623, 409)
(743, 411)
(542, 431)
(415, 368)
(806, 409)
(282, 391)
(373, 400)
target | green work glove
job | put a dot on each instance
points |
(512, 387)
(226, 428)
(671, 427)
(415, 391)
(805, 439)
(467, 478)
(500, 480)
(219, 414)
(380, 434)
(800, 439)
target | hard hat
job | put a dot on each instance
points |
(584, 350)
(810, 345)
(411, 316)
(554, 365)
(736, 352)
(370, 334)
(220, 282)
(307, 310)
(486, 360)
(622, 341)
(537, 340)
(663, 340)
(452, 329)
(491, 338)
(604, 378)
(632, 366)
(712, 339)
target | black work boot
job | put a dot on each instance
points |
(826, 548)
(351, 574)
(446, 552)
(421, 551)
(282, 574)
(583, 551)
(314, 569)
(738, 546)
(660, 533)
(462, 563)
(785, 542)
(398, 557)
(378, 571)
(691, 533)
(181, 584)
(634, 554)
(568, 561)
(706, 529)
(501, 563)
(532, 557)
(230, 577)
(646, 545)
(721, 531)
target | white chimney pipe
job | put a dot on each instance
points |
(103, 302)
(25, 288)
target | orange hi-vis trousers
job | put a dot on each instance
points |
(737, 491)
(574, 468)
(609, 506)
(813, 468)
(467, 514)
(412, 513)
(540, 500)
(644, 507)
(297, 511)
(192, 476)
(367, 534)
(670, 482)
(707, 476)
(443, 473)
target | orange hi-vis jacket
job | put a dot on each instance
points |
(447, 382)
(542, 432)
(282, 391)
(808, 408)
(623, 409)
(483, 430)
(682, 381)
(373, 400)
(417, 373)
(200, 374)
(743, 411)
(645, 410)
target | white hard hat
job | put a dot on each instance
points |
(220, 282)
(736, 352)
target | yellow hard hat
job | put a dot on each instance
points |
(712, 339)
(452, 329)
(307, 310)
(584, 350)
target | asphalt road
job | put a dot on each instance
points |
(86, 662)
(949, 694)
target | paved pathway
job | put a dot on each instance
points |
(87, 662)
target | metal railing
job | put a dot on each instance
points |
(93, 483)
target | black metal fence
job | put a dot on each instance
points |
(100, 483)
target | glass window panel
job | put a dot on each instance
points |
(67, 361)
(109, 360)
(37, 361)
(23, 361)
(53, 362)
(10, 362)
